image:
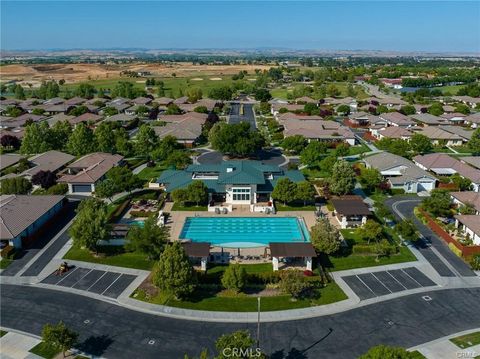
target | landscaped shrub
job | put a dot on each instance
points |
(137, 214)
(454, 249)
(395, 191)
(115, 216)
(475, 262)
(264, 278)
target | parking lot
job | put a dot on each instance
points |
(375, 284)
(108, 284)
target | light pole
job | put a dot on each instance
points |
(258, 322)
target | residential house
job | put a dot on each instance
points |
(9, 160)
(83, 174)
(142, 101)
(455, 118)
(469, 225)
(305, 99)
(164, 101)
(444, 165)
(466, 134)
(22, 216)
(468, 100)
(60, 117)
(429, 120)
(438, 136)
(75, 101)
(187, 128)
(397, 119)
(401, 173)
(350, 211)
(87, 118)
(471, 160)
(467, 197)
(275, 109)
(393, 132)
(473, 120)
(53, 161)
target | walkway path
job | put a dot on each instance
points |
(16, 345)
(443, 348)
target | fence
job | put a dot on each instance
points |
(466, 251)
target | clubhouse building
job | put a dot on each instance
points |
(231, 183)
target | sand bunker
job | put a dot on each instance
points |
(196, 79)
(216, 78)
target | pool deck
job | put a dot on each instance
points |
(177, 219)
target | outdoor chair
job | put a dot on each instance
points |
(217, 210)
(225, 211)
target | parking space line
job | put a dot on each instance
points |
(88, 289)
(381, 282)
(396, 280)
(66, 276)
(120, 274)
(81, 278)
(370, 289)
(411, 277)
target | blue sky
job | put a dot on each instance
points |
(339, 25)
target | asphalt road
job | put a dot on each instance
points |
(248, 116)
(116, 332)
(28, 254)
(406, 208)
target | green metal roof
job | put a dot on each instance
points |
(242, 172)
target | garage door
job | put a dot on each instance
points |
(81, 188)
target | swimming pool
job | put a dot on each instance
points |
(244, 232)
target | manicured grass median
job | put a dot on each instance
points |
(44, 351)
(205, 299)
(112, 256)
(149, 173)
(5, 262)
(467, 340)
(2, 333)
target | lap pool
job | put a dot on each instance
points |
(244, 232)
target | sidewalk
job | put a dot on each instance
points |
(443, 348)
(15, 345)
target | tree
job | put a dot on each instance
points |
(262, 95)
(197, 192)
(387, 352)
(224, 93)
(77, 111)
(15, 185)
(122, 178)
(19, 93)
(468, 208)
(292, 282)
(408, 110)
(234, 277)
(305, 192)
(173, 272)
(343, 110)
(462, 108)
(463, 184)
(110, 111)
(122, 142)
(370, 231)
(285, 190)
(235, 139)
(343, 179)
(201, 109)
(313, 153)
(294, 143)
(45, 179)
(342, 150)
(325, 237)
(105, 189)
(436, 109)
(173, 109)
(149, 239)
(178, 159)
(104, 137)
(407, 230)
(333, 91)
(58, 336)
(420, 143)
(370, 178)
(37, 139)
(81, 141)
(165, 147)
(327, 164)
(61, 132)
(90, 225)
(85, 90)
(180, 195)
(9, 141)
(438, 203)
(146, 141)
(240, 340)
(474, 142)
(142, 110)
(194, 94)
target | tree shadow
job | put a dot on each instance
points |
(95, 345)
(295, 353)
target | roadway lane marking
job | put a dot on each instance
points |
(81, 278)
(397, 280)
(411, 277)
(64, 277)
(381, 282)
(120, 274)
(88, 289)
(370, 289)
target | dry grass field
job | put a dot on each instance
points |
(33, 74)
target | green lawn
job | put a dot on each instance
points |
(187, 207)
(111, 255)
(149, 173)
(218, 269)
(44, 351)
(207, 299)
(416, 355)
(358, 149)
(311, 173)
(467, 340)
(282, 91)
(350, 260)
(294, 207)
(5, 262)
